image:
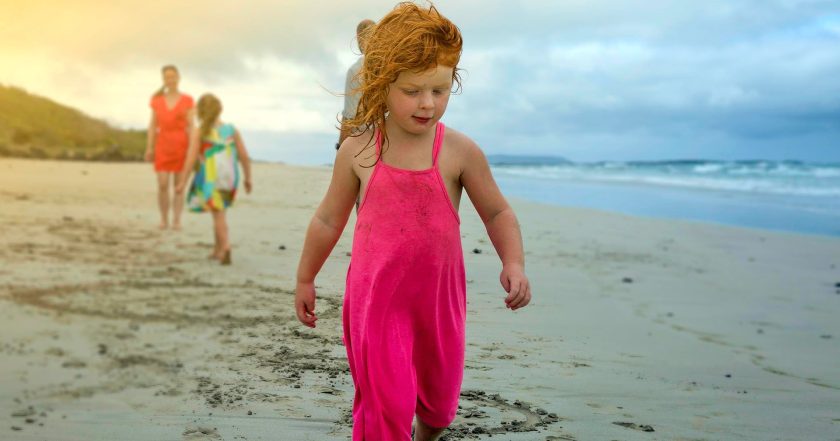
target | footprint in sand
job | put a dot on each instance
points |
(480, 414)
(196, 433)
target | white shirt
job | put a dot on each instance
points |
(351, 100)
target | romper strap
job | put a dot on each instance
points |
(439, 130)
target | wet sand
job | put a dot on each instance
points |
(640, 329)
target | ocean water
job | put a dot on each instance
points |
(776, 195)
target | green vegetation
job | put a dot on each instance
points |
(35, 127)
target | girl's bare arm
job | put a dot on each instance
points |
(500, 222)
(244, 159)
(323, 233)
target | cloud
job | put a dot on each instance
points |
(588, 79)
(775, 84)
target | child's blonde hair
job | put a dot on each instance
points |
(208, 108)
(409, 38)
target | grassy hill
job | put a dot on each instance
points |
(35, 127)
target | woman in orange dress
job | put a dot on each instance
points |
(173, 114)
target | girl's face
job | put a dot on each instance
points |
(417, 100)
(170, 79)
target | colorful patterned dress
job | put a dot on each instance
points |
(217, 172)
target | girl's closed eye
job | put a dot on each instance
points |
(410, 92)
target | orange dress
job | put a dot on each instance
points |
(172, 139)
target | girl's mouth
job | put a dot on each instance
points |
(421, 120)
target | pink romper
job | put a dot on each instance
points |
(405, 303)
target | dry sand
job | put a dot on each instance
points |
(640, 329)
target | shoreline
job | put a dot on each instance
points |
(512, 192)
(763, 212)
(115, 330)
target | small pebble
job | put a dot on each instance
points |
(476, 251)
(281, 247)
(728, 375)
(627, 280)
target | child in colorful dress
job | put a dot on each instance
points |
(405, 300)
(220, 151)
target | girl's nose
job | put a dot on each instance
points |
(426, 100)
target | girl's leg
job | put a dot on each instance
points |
(220, 224)
(163, 198)
(178, 204)
(424, 432)
(216, 253)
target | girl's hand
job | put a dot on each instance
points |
(149, 156)
(305, 303)
(516, 285)
(248, 186)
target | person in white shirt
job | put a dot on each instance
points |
(351, 99)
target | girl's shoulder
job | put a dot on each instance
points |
(225, 131)
(360, 141)
(358, 150)
(458, 144)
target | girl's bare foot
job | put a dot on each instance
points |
(176, 227)
(226, 259)
(217, 254)
(163, 226)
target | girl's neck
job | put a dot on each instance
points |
(399, 137)
(172, 92)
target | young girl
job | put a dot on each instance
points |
(221, 150)
(405, 301)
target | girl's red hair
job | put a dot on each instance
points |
(409, 38)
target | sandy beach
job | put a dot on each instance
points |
(640, 329)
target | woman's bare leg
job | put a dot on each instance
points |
(163, 198)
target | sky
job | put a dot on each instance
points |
(587, 80)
